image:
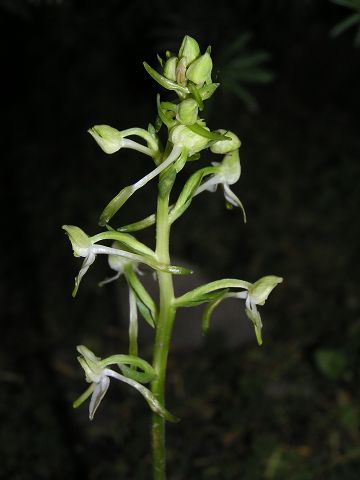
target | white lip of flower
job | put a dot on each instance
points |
(228, 173)
(83, 246)
(257, 294)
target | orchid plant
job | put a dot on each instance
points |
(188, 75)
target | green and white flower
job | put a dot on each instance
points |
(111, 140)
(228, 172)
(98, 375)
(256, 294)
(87, 247)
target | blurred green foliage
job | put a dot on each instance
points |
(240, 66)
(350, 21)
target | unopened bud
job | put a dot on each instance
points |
(226, 146)
(200, 69)
(182, 136)
(108, 138)
(188, 111)
(189, 50)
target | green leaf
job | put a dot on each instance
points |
(196, 94)
(347, 23)
(199, 130)
(164, 82)
(145, 303)
(207, 90)
(141, 377)
(131, 243)
(208, 311)
(202, 298)
(201, 292)
(169, 122)
(184, 200)
(331, 363)
(140, 225)
(115, 204)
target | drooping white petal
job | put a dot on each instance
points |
(232, 199)
(89, 260)
(98, 394)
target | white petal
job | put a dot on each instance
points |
(231, 198)
(98, 395)
(210, 185)
(89, 260)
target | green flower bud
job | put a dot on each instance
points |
(226, 146)
(183, 137)
(80, 242)
(108, 138)
(189, 49)
(169, 70)
(200, 70)
(188, 111)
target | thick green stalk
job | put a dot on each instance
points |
(163, 335)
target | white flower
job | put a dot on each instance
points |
(98, 375)
(227, 173)
(111, 140)
(84, 246)
(256, 294)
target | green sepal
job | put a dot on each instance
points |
(199, 292)
(195, 93)
(115, 204)
(145, 303)
(209, 309)
(140, 225)
(199, 130)
(84, 396)
(164, 82)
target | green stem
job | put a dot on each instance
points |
(163, 335)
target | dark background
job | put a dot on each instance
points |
(289, 409)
